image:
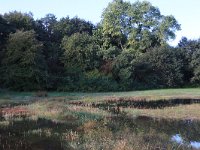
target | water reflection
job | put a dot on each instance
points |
(195, 144)
(43, 133)
(183, 132)
(179, 140)
(123, 102)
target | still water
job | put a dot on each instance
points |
(47, 135)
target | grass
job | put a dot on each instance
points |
(187, 92)
(58, 101)
(182, 112)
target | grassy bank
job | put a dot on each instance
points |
(128, 102)
(186, 112)
(153, 94)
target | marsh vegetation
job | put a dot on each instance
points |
(98, 121)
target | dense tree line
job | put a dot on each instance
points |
(127, 50)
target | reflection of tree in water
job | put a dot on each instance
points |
(18, 134)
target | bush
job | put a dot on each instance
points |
(90, 81)
(97, 81)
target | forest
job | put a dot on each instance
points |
(127, 50)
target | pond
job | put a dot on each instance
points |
(29, 133)
(178, 139)
(183, 132)
(26, 134)
(147, 104)
(47, 135)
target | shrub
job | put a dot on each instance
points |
(97, 81)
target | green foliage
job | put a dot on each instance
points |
(24, 66)
(122, 68)
(127, 50)
(111, 53)
(189, 46)
(164, 65)
(159, 67)
(67, 26)
(195, 64)
(96, 81)
(143, 75)
(190, 50)
(89, 81)
(19, 20)
(80, 50)
(5, 29)
(114, 23)
(139, 25)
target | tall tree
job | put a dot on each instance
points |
(49, 22)
(195, 65)
(80, 50)
(19, 20)
(5, 30)
(24, 66)
(139, 25)
(190, 49)
(189, 46)
(80, 55)
(122, 68)
(47, 33)
(164, 66)
(67, 27)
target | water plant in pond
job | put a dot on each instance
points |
(52, 124)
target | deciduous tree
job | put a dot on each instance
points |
(139, 25)
(24, 66)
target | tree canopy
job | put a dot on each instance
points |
(127, 50)
(24, 65)
(139, 25)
